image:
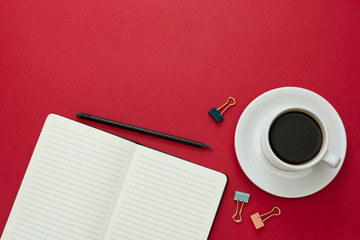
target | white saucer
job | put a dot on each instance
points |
(259, 170)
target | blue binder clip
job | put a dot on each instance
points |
(214, 113)
(240, 197)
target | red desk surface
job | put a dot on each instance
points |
(163, 65)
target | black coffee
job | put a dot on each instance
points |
(295, 137)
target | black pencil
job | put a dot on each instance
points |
(142, 130)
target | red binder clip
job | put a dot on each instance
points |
(258, 222)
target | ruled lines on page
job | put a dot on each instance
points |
(73, 183)
(166, 198)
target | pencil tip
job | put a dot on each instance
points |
(206, 146)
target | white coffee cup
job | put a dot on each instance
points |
(323, 155)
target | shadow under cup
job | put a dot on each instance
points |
(295, 137)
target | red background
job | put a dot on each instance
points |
(163, 64)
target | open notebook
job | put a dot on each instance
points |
(84, 183)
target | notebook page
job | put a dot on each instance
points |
(165, 197)
(71, 184)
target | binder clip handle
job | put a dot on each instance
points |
(274, 214)
(237, 207)
(228, 105)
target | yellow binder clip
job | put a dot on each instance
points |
(258, 222)
(240, 197)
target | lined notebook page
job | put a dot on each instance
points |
(164, 197)
(71, 184)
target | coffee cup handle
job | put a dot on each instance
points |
(331, 159)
